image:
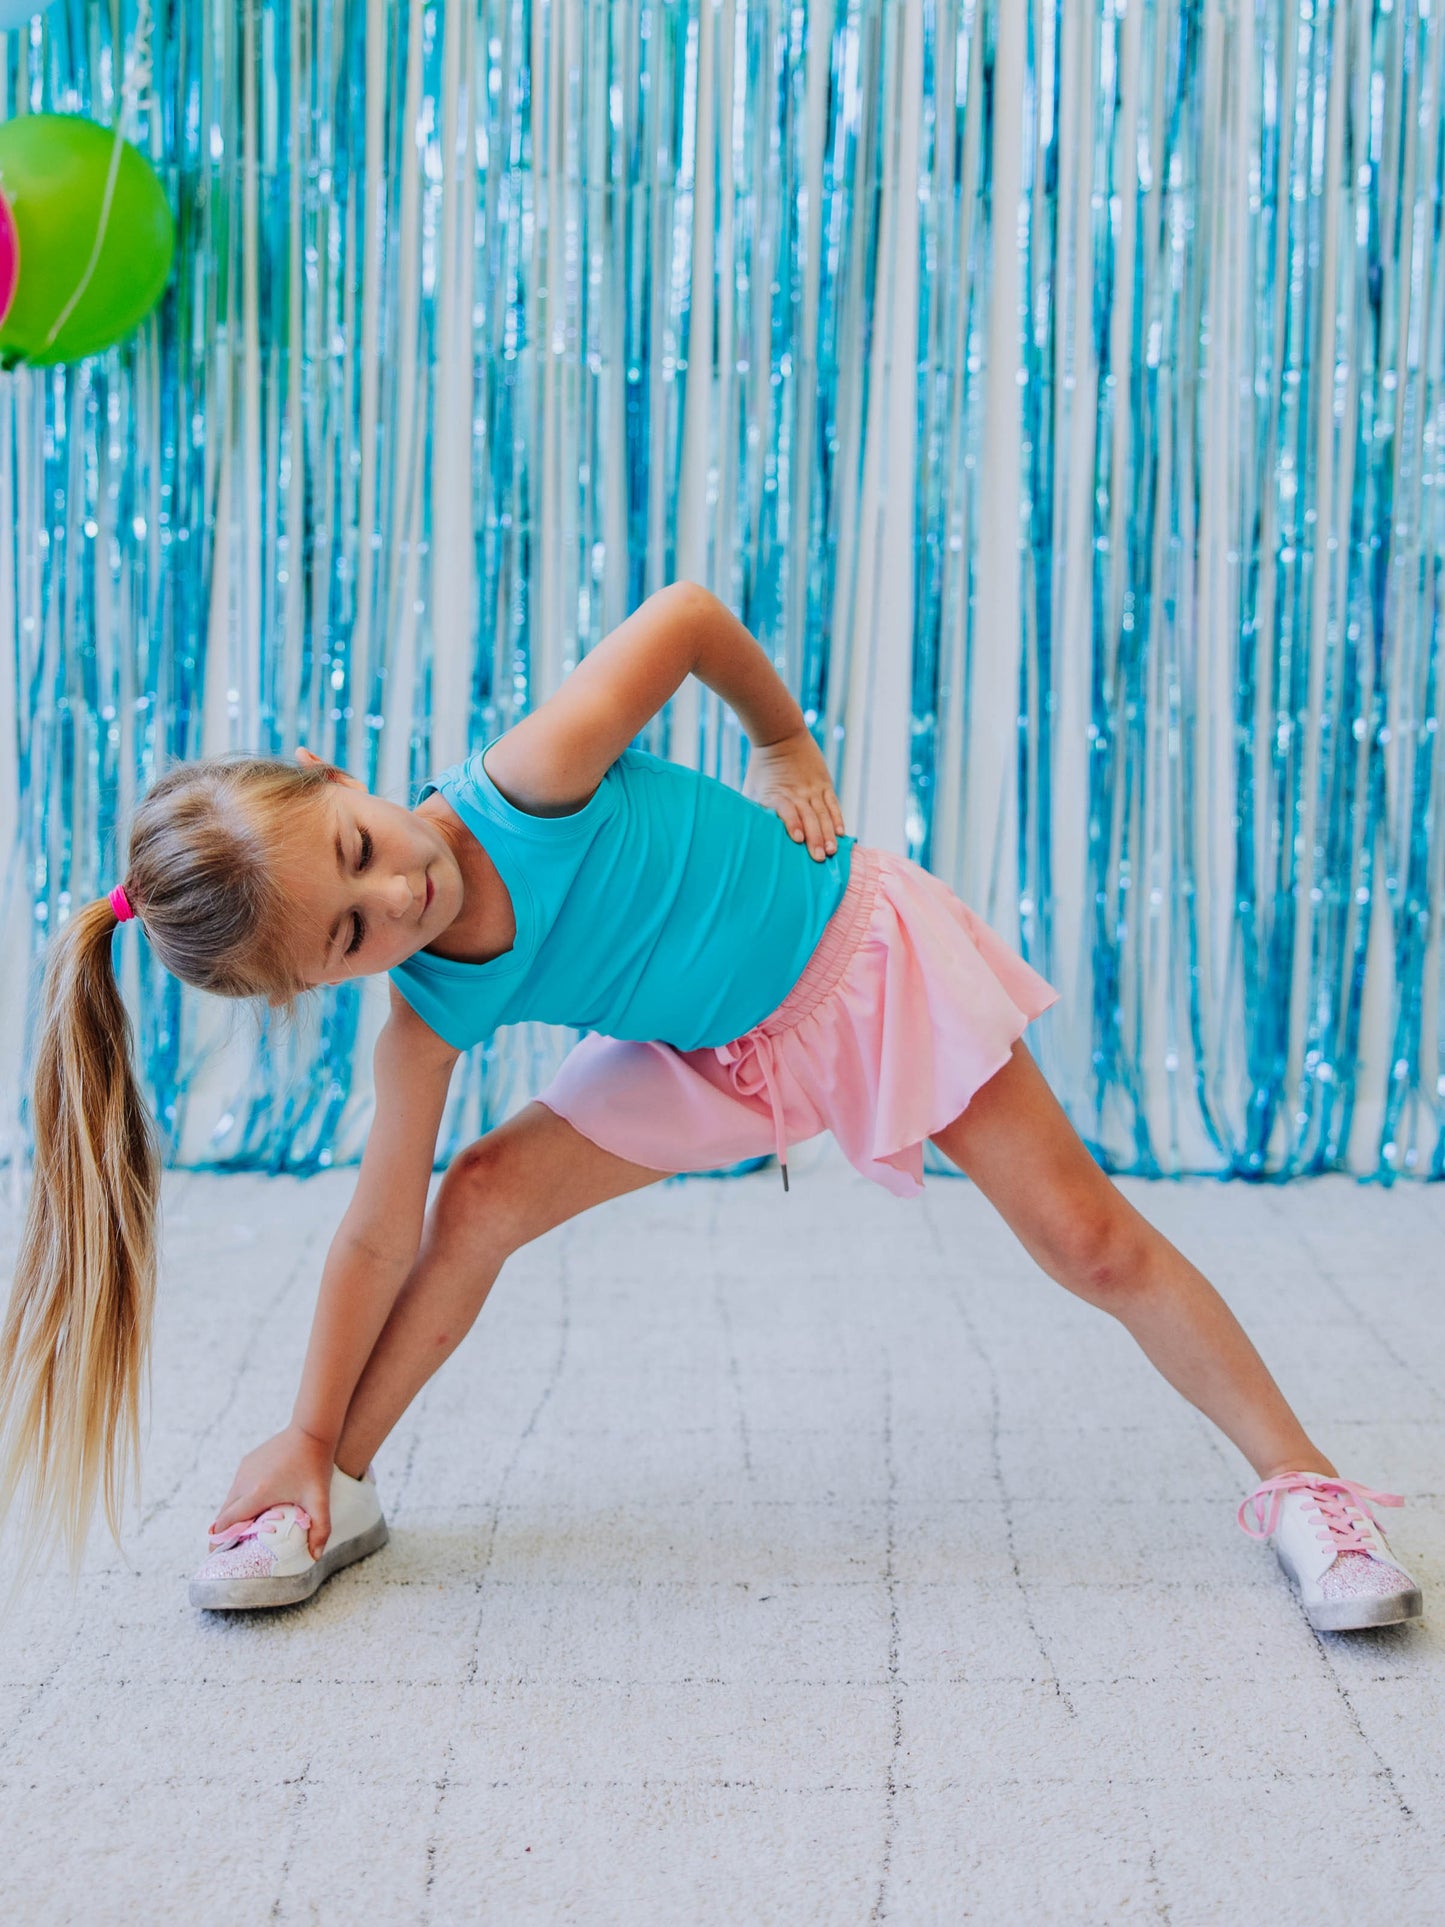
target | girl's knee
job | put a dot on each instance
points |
(1099, 1252)
(482, 1197)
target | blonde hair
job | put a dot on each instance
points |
(76, 1339)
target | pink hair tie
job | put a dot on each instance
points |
(118, 903)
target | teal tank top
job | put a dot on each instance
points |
(669, 907)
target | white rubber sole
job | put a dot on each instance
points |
(256, 1594)
(1357, 1615)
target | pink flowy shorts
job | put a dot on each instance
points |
(908, 1004)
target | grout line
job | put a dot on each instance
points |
(442, 1787)
(222, 1409)
(955, 1298)
(895, 1684)
(1254, 1589)
(293, 1818)
(725, 1318)
(1161, 1905)
(470, 1675)
(801, 1682)
(417, 1413)
(36, 1696)
(1022, 1782)
(926, 1501)
(1385, 1771)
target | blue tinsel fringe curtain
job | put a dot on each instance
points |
(1058, 390)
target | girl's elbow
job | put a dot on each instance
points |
(689, 596)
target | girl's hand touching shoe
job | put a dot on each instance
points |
(791, 778)
(263, 1561)
(292, 1468)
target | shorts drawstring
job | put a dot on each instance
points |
(750, 1057)
(750, 1061)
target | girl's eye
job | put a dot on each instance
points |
(359, 928)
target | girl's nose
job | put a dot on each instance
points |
(400, 897)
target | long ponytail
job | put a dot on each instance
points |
(75, 1341)
(75, 1344)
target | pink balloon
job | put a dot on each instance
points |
(9, 257)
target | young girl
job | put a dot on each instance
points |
(750, 975)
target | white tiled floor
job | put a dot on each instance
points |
(761, 1559)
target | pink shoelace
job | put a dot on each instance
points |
(242, 1529)
(1342, 1505)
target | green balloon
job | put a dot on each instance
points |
(53, 172)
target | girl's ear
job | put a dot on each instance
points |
(306, 757)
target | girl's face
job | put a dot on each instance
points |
(372, 882)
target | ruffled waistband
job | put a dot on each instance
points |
(842, 934)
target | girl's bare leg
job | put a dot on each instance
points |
(529, 1174)
(1019, 1148)
(1014, 1140)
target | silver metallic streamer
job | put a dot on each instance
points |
(1056, 390)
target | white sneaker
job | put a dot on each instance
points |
(1327, 1541)
(266, 1561)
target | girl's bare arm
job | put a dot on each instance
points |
(366, 1266)
(552, 761)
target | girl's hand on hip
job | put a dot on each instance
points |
(790, 777)
(294, 1468)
